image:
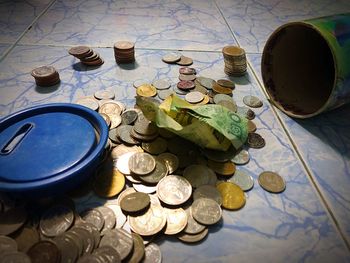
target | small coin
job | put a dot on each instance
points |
(120, 240)
(206, 82)
(141, 137)
(145, 127)
(246, 112)
(123, 163)
(233, 197)
(44, 251)
(176, 220)
(108, 254)
(205, 100)
(227, 168)
(115, 120)
(272, 182)
(104, 95)
(187, 77)
(135, 202)
(198, 174)
(161, 84)
(174, 190)
(7, 244)
(158, 146)
(208, 191)
(184, 61)
(206, 211)
(243, 180)
(56, 220)
(170, 160)
(88, 102)
(94, 217)
(15, 257)
(133, 178)
(193, 238)
(139, 249)
(157, 174)
(108, 183)
(179, 91)
(242, 157)
(219, 156)
(200, 88)
(129, 116)
(152, 254)
(252, 101)
(226, 83)
(87, 239)
(12, 220)
(171, 57)
(255, 140)
(146, 90)
(147, 189)
(185, 85)
(142, 163)
(110, 108)
(92, 230)
(187, 71)
(77, 240)
(139, 82)
(194, 97)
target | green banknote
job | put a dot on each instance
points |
(210, 126)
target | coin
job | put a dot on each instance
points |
(15, 257)
(108, 183)
(25, 238)
(226, 83)
(242, 157)
(104, 95)
(145, 127)
(192, 227)
(149, 223)
(171, 57)
(185, 85)
(120, 105)
(223, 168)
(56, 220)
(115, 120)
(88, 102)
(44, 251)
(176, 220)
(251, 126)
(135, 202)
(194, 97)
(124, 134)
(92, 231)
(141, 137)
(122, 149)
(204, 101)
(123, 163)
(12, 220)
(206, 211)
(252, 101)
(147, 189)
(137, 83)
(242, 179)
(107, 254)
(129, 116)
(255, 140)
(161, 84)
(187, 71)
(110, 108)
(272, 182)
(206, 82)
(208, 191)
(180, 91)
(170, 160)
(156, 175)
(120, 217)
(139, 249)
(233, 197)
(7, 244)
(163, 94)
(221, 90)
(200, 88)
(79, 51)
(120, 240)
(184, 61)
(230, 105)
(94, 217)
(106, 118)
(158, 146)
(174, 190)
(142, 163)
(187, 77)
(108, 216)
(220, 97)
(152, 254)
(193, 238)
(67, 246)
(198, 174)
(146, 90)
(77, 240)
(219, 156)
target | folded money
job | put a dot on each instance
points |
(209, 126)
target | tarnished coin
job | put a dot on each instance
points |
(135, 202)
(170, 160)
(87, 239)
(171, 57)
(163, 94)
(12, 220)
(149, 223)
(233, 197)
(200, 88)
(90, 258)
(205, 100)
(142, 163)
(161, 84)
(251, 126)
(76, 239)
(158, 146)
(272, 182)
(108, 216)
(231, 105)
(94, 217)
(176, 220)
(193, 238)
(242, 179)
(92, 230)
(137, 83)
(108, 254)
(145, 127)
(15, 257)
(113, 135)
(184, 61)
(192, 227)
(252, 101)
(174, 190)
(206, 211)
(198, 174)
(187, 77)
(147, 189)
(121, 218)
(208, 191)
(255, 140)
(89, 102)
(56, 220)
(146, 90)
(104, 95)
(152, 254)
(187, 71)
(110, 108)
(226, 83)
(44, 251)
(206, 82)
(139, 249)
(129, 116)
(194, 97)
(124, 243)
(242, 157)
(7, 244)
(69, 249)
(157, 174)
(246, 112)
(185, 85)
(25, 238)
(124, 134)
(223, 168)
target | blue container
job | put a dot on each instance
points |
(49, 149)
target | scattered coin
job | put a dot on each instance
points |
(68, 247)
(120, 240)
(221, 90)
(139, 82)
(226, 83)
(255, 140)
(158, 146)
(198, 175)
(194, 97)
(176, 220)
(208, 191)
(163, 94)
(223, 168)
(108, 254)
(206, 211)
(272, 182)
(185, 85)
(174, 190)
(135, 202)
(129, 117)
(184, 61)
(104, 95)
(246, 112)
(119, 215)
(109, 218)
(222, 97)
(187, 71)
(251, 126)
(146, 90)
(139, 249)
(142, 163)
(170, 160)
(230, 105)
(124, 134)
(161, 84)
(252, 101)
(147, 189)
(171, 57)
(110, 108)
(88, 102)
(152, 254)
(94, 217)
(106, 118)
(156, 175)
(243, 180)
(233, 197)
(56, 220)
(242, 157)
(108, 183)
(193, 238)
(206, 82)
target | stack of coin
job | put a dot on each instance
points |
(45, 76)
(235, 60)
(86, 55)
(124, 52)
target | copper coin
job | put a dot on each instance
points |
(44, 72)
(79, 51)
(272, 182)
(187, 71)
(251, 126)
(123, 45)
(185, 85)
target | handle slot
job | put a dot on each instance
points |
(16, 139)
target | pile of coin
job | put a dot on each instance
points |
(45, 76)
(177, 58)
(124, 52)
(235, 60)
(86, 55)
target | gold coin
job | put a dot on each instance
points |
(108, 183)
(204, 101)
(233, 197)
(146, 90)
(223, 168)
(221, 90)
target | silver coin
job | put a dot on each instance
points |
(120, 217)
(76, 239)
(194, 97)
(88, 102)
(108, 254)
(91, 229)
(69, 249)
(208, 191)
(198, 174)
(119, 239)
(157, 174)
(14, 257)
(170, 160)
(122, 149)
(192, 227)
(179, 91)
(252, 101)
(242, 179)
(56, 220)
(171, 57)
(104, 95)
(145, 127)
(123, 132)
(94, 217)
(129, 116)
(110, 107)
(7, 244)
(174, 190)
(90, 258)
(109, 218)
(242, 157)
(190, 77)
(206, 82)
(163, 94)
(152, 254)
(193, 238)
(246, 112)
(161, 84)
(147, 189)
(115, 119)
(176, 220)
(206, 211)
(85, 237)
(158, 146)
(220, 97)
(142, 163)
(139, 82)
(122, 163)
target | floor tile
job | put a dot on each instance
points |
(289, 227)
(150, 24)
(253, 21)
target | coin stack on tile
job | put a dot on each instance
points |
(124, 52)
(86, 55)
(235, 60)
(45, 76)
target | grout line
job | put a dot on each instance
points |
(301, 159)
(8, 50)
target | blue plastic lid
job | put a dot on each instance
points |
(47, 143)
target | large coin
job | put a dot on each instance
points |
(135, 202)
(170, 160)
(208, 191)
(174, 190)
(56, 220)
(152, 254)
(142, 163)
(272, 182)
(193, 238)
(120, 240)
(206, 211)
(233, 197)
(242, 179)
(156, 175)
(176, 220)
(12, 220)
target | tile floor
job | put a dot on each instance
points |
(309, 222)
